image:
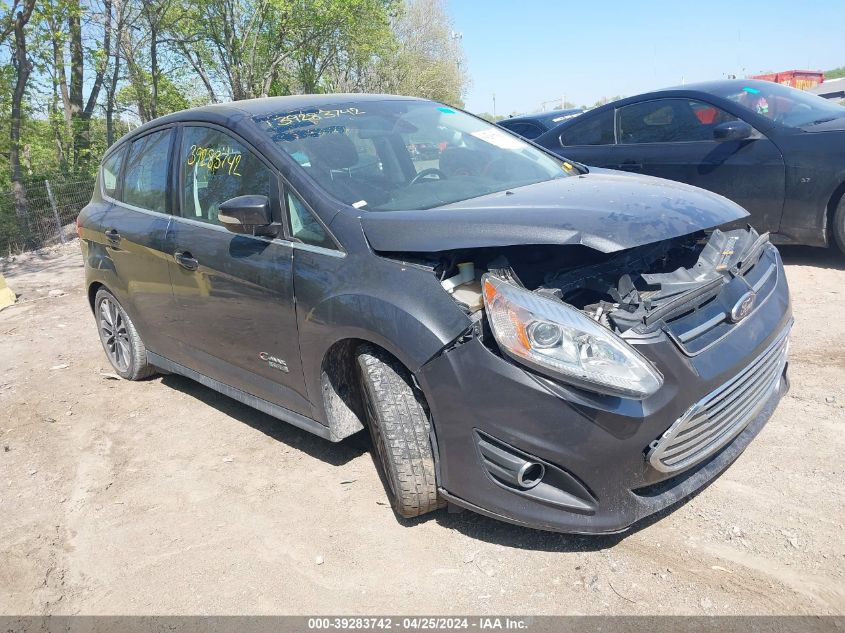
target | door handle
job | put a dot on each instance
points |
(186, 260)
(113, 236)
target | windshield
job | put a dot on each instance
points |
(782, 104)
(400, 155)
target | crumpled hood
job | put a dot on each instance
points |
(605, 210)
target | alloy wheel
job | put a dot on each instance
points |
(114, 335)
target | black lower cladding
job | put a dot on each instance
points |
(601, 442)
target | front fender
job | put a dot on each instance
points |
(398, 307)
(412, 337)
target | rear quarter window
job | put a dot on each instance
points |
(110, 172)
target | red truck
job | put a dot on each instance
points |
(801, 79)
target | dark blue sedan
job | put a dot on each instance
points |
(777, 151)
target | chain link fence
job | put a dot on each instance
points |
(47, 216)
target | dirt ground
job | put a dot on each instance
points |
(163, 497)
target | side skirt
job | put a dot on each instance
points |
(297, 420)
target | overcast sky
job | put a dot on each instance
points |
(534, 51)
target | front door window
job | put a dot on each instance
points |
(669, 121)
(214, 168)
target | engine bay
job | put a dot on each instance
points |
(634, 288)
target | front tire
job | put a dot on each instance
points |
(399, 426)
(121, 342)
(837, 228)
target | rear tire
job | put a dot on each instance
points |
(399, 426)
(837, 228)
(121, 342)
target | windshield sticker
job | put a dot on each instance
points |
(751, 91)
(446, 110)
(499, 138)
(301, 158)
(213, 159)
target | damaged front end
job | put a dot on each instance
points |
(695, 287)
(625, 353)
(609, 368)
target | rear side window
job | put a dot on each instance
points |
(596, 130)
(145, 179)
(214, 168)
(111, 172)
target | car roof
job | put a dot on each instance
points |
(270, 105)
(686, 90)
(719, 84)
(705, 87)
(231, 113)
(548, 114)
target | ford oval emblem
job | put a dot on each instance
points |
(743, 307)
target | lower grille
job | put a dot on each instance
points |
(721, 415)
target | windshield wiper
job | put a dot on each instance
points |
(827, 120)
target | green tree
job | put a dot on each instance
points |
(428, 61)
(146, 55)
(254, 48)
(73, 62)
(15, 23)
(339, 36)
(73, 49)
(169, 96)
(241, 45)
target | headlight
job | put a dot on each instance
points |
(562, 342)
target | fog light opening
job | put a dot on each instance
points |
(530, 474)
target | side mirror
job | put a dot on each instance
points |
(732, 131)
(247, 215)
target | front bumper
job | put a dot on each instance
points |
(601, 442)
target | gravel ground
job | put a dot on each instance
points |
(163, 497)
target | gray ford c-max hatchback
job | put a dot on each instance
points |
(566, 348)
